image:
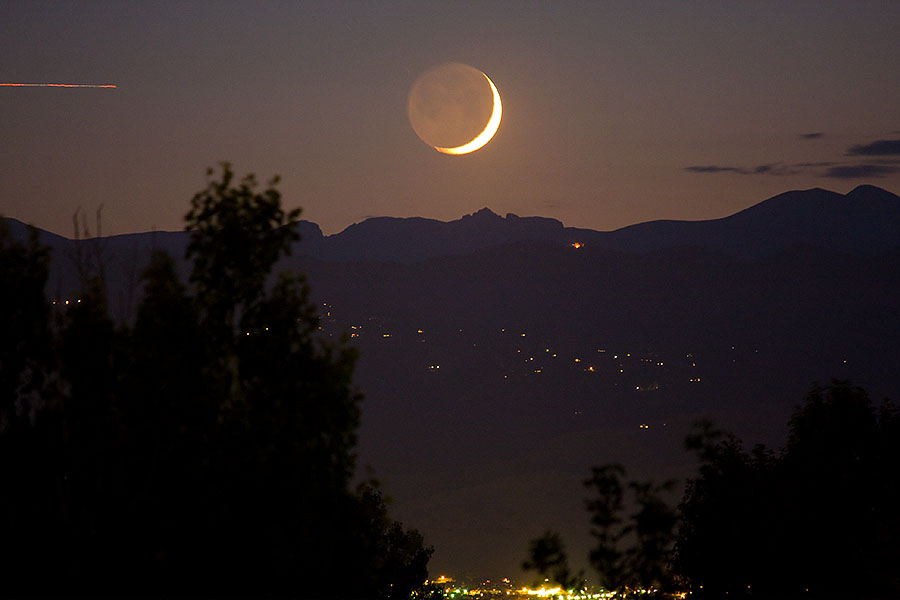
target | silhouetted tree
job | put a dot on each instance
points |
(547, 556)
(728, 507)
(841, 490)
(818, 519)
(24, 326)
(400, 567)
(208, 449)
(631, 554)
(26, 455)
(606, 520)
(237, 236)
(653, 527)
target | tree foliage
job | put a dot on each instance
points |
(632, 552)
(207, 449)
(24, 325)
(818, 518)
(547, 556)
(237, 236)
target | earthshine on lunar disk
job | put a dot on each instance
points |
(454, 108)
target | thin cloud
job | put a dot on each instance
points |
(877, 148)
(883, 160)
(712, 169)
(859, 171)
(777, 169)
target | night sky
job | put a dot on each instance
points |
(614, 113)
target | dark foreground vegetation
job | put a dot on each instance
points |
(207, 448)
(818, 519)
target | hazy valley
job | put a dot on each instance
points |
(469, 331)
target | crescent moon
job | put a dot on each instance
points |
(486, 134)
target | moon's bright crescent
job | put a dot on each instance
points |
(487, 133)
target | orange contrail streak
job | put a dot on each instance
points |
(62, 85)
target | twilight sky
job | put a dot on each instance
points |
(614, 113)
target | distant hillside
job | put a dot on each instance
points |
(511, 370)
(864, 222)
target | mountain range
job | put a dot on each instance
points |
(864, 221)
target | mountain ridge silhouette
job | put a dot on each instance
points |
(865, 221)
